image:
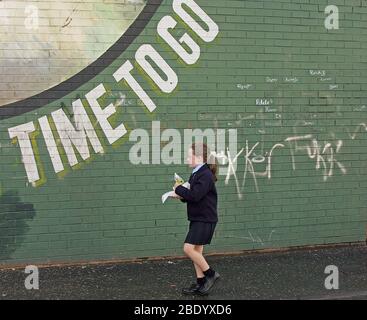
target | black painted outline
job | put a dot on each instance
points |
(64, 88)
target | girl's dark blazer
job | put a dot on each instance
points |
(202, 196)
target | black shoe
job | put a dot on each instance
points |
(208, 284)
(192, 289)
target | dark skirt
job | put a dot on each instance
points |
(200, 233)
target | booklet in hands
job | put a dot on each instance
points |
(178, 180)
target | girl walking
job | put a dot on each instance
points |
(201, 201)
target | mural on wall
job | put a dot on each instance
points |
(77, 136)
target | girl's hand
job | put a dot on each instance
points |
(176, 184)
(177, 196)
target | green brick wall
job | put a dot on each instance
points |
(300, 180)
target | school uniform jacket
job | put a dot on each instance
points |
(202, 196)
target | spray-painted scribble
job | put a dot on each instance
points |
(359, 128)
(253, 237)
(244, 86)
(269, 79)
(292, 80)
(324, 154)
(250, 159)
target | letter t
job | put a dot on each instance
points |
(22, 133)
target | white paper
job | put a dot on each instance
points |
(176, 178)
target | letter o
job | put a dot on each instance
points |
(207, 36)
(166, 86)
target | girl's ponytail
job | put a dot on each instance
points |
(213, 165)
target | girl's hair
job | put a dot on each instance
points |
(201, 149)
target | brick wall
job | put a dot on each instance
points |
(80, 80)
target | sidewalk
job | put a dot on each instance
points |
(295, 274)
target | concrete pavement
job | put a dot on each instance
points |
(294, 274)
